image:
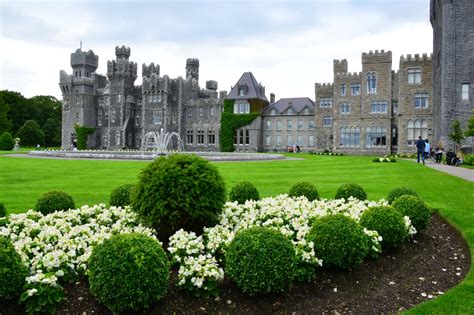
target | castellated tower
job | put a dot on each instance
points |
(78, 92)
(192, 68)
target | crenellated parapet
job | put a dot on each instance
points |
(377, 56)
(324, 89)
(416, 58)
(88, 59)
(192, 69)
(211, 85)
(340, 66)
(348, 75)
(122, 52)
(147, 71)
(121, 68)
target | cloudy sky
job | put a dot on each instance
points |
(288, 45)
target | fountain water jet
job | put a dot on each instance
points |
(162, 142)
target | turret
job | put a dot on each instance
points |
(84, 63)
(122, 68)
(192, 68)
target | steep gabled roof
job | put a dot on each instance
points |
(253, 89)
(296, 103)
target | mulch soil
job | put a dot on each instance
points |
(426, 267)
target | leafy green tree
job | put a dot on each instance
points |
(456, 134)
(31, 134)
(5, 123)
(52, 132)
(470, 127)
(6, 141)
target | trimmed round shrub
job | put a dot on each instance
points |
(6, 141)
(179, 191)
(400, 191)
(3, 210)
(261, 260)
(53, 201)
(388, 222)
(304, 189)
(339, 241)
(121, 195)
(128, 272)
(415, 209)
(348, 190)
(243, 191)
(12, 270)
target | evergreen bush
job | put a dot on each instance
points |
(179, 191)
(3, 210)
(400, 191)
(339, 241)
(53, 201)
(388, 222)
(31, 134)
(304, 189)
(6, 141)
(243, 191)
(121, 195)
(351, 190)
(128, 272)
(12, 270)
(415, 209)
(261, 260)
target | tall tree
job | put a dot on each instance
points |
(52, 132)
(14, 102)
(456, 134)
(470, 127)
(30, 134)
(5, 123)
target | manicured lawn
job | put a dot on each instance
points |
(23, 180)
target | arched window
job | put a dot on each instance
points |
(371, 82)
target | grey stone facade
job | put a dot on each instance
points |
(453, 65)
(378, 110)
(122, 113)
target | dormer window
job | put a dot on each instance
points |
(290, 111)
(306, 111)
(243, 90)
(273, 112)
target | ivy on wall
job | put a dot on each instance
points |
(82, 133)
(230, 122)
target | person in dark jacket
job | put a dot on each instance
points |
(420, 150)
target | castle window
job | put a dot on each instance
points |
(300, 124)
(421, 100)
(268, 141)
(290, 111)
(269, 124)
(211, 137)
(112, 116)
(349, 137)
(247, 137)
(299, 141)
(394, 107)
(99, 118)
(376, 137)
(325, 102)
(415, 129)
(414, 75)
(273, 112)
(243, 90)
(190, 112)
(327, 121)
(465, 91)
(137, 121)
(288, 124)
(157, 118)
(117, 138)
(241, 140)
(278, 141)
(306, 111)
(200, 137)
(189, 136)
(212, 111)
(289, 141)
(355, 89)
(379, 107)
(343, 89)
(311, 124)
(371, 83)
(200, 111)
(345, 108)
(236, 132)
(241, 108)
(311, 141)
(159, 98)
(278, 126)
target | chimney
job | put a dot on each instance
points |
(272, 98)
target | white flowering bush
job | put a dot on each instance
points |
(57, 246)
(291, 216)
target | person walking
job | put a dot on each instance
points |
(427, 150)
(420, 147)
(439, 152)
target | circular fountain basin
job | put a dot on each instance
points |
(151, 155)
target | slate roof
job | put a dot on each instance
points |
(253, 88)
(298, 104)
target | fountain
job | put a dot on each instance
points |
(162, 142)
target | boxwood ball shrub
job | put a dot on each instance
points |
(415, 209)
(388, 222)
(121, 195)
(304, 189)
(53, 201)
(12, 270)
(128, 272)
(243, 191)
(261, 260)
(179, 191)
(339, 241)
(348, 190)
(400, 191)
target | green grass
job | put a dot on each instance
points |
(23, 180)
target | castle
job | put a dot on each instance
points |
(375, 111)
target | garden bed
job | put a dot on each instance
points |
(427, 266)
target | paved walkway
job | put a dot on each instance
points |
(465, 173)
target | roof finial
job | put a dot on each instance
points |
(80, 44)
